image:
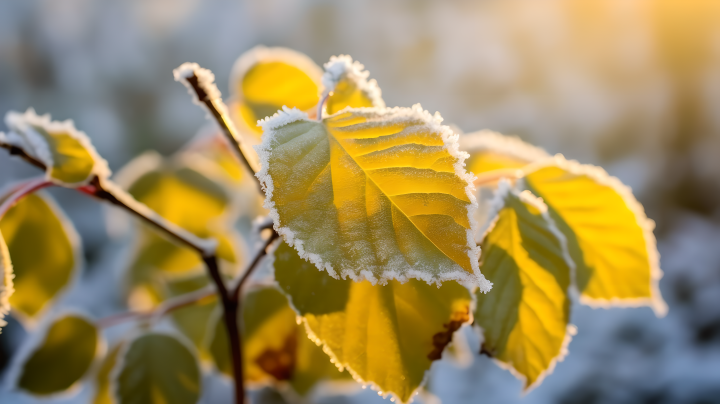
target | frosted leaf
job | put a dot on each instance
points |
(69, 157)
(372, 193)
(347, 85)
(492, 151)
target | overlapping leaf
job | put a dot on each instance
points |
(183, 195)
(264, 80)
(387, 335)
(103, 394)
(525, 319)
(6, 277)
(157, 369)
(69, 157)
(609, 237)
(375, 194)
(490, 151)
(193, 320)
(346, 85)
(45, 252)
(275, 347)
(63, 356)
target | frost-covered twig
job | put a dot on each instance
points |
(200, 83)
(161, 310)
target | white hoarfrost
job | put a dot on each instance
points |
(387, 115)
(493, 142)
(344, 68)
(6, 277)
(601, 177)
(205, 79)
(24, 135)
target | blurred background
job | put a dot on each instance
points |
(631, 85)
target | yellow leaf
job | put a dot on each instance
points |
(374, 194)
(346, 85)
(609, 237)
(178, 190)
(103, 395)
(6, 276)
(70, 158)
(525, 318)
(264, 80)
(45, 252)
(386, 336)
(64, 354)
(490, 151)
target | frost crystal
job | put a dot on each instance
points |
(205, 79)
(342, 67)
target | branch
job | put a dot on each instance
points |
(246, 275)
(201, 85)
(162, 309)
(16, 151)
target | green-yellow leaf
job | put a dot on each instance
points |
(525, 318)
(609, 237)
(69, 157)
(103, 395)
(387, 335)
(6, 279)
(346, 85)
(264, 79)
(157, 369)
(44, 248)
(63, 356)
(375, 194)
(490, 151)
(276, 348)
(192, 320)
(178, 191)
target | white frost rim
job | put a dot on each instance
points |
(450, 140)
(512, 146)
(23, 136)
(343, 67)
(601, 177)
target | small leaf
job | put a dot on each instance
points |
(347, 85)
(375, 194)
(525, 319)
(385, 335)
(490, 151)
(103, 395)
(609, 237)
(157, 369)
(179, 191)
(264, 79)
(66, 352)
(45, 251)
(192, 320)
(70, 158)
(6, 277)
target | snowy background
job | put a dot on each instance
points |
(631, 85)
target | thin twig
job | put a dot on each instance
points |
(16, 151)
(246, 275)
(25, 189)
(161, 310)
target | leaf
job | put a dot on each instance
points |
(388, 335)
(157, 369)
(63, 356)
(45, 252)
(276, 348)
(193, 320)
(70, 158)
(525, 319)
(6, 287)
(346, 85)
(179, 191)
(103, 395)
(375, 194)
(491, 151)
(609, 237)
(263, 80)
